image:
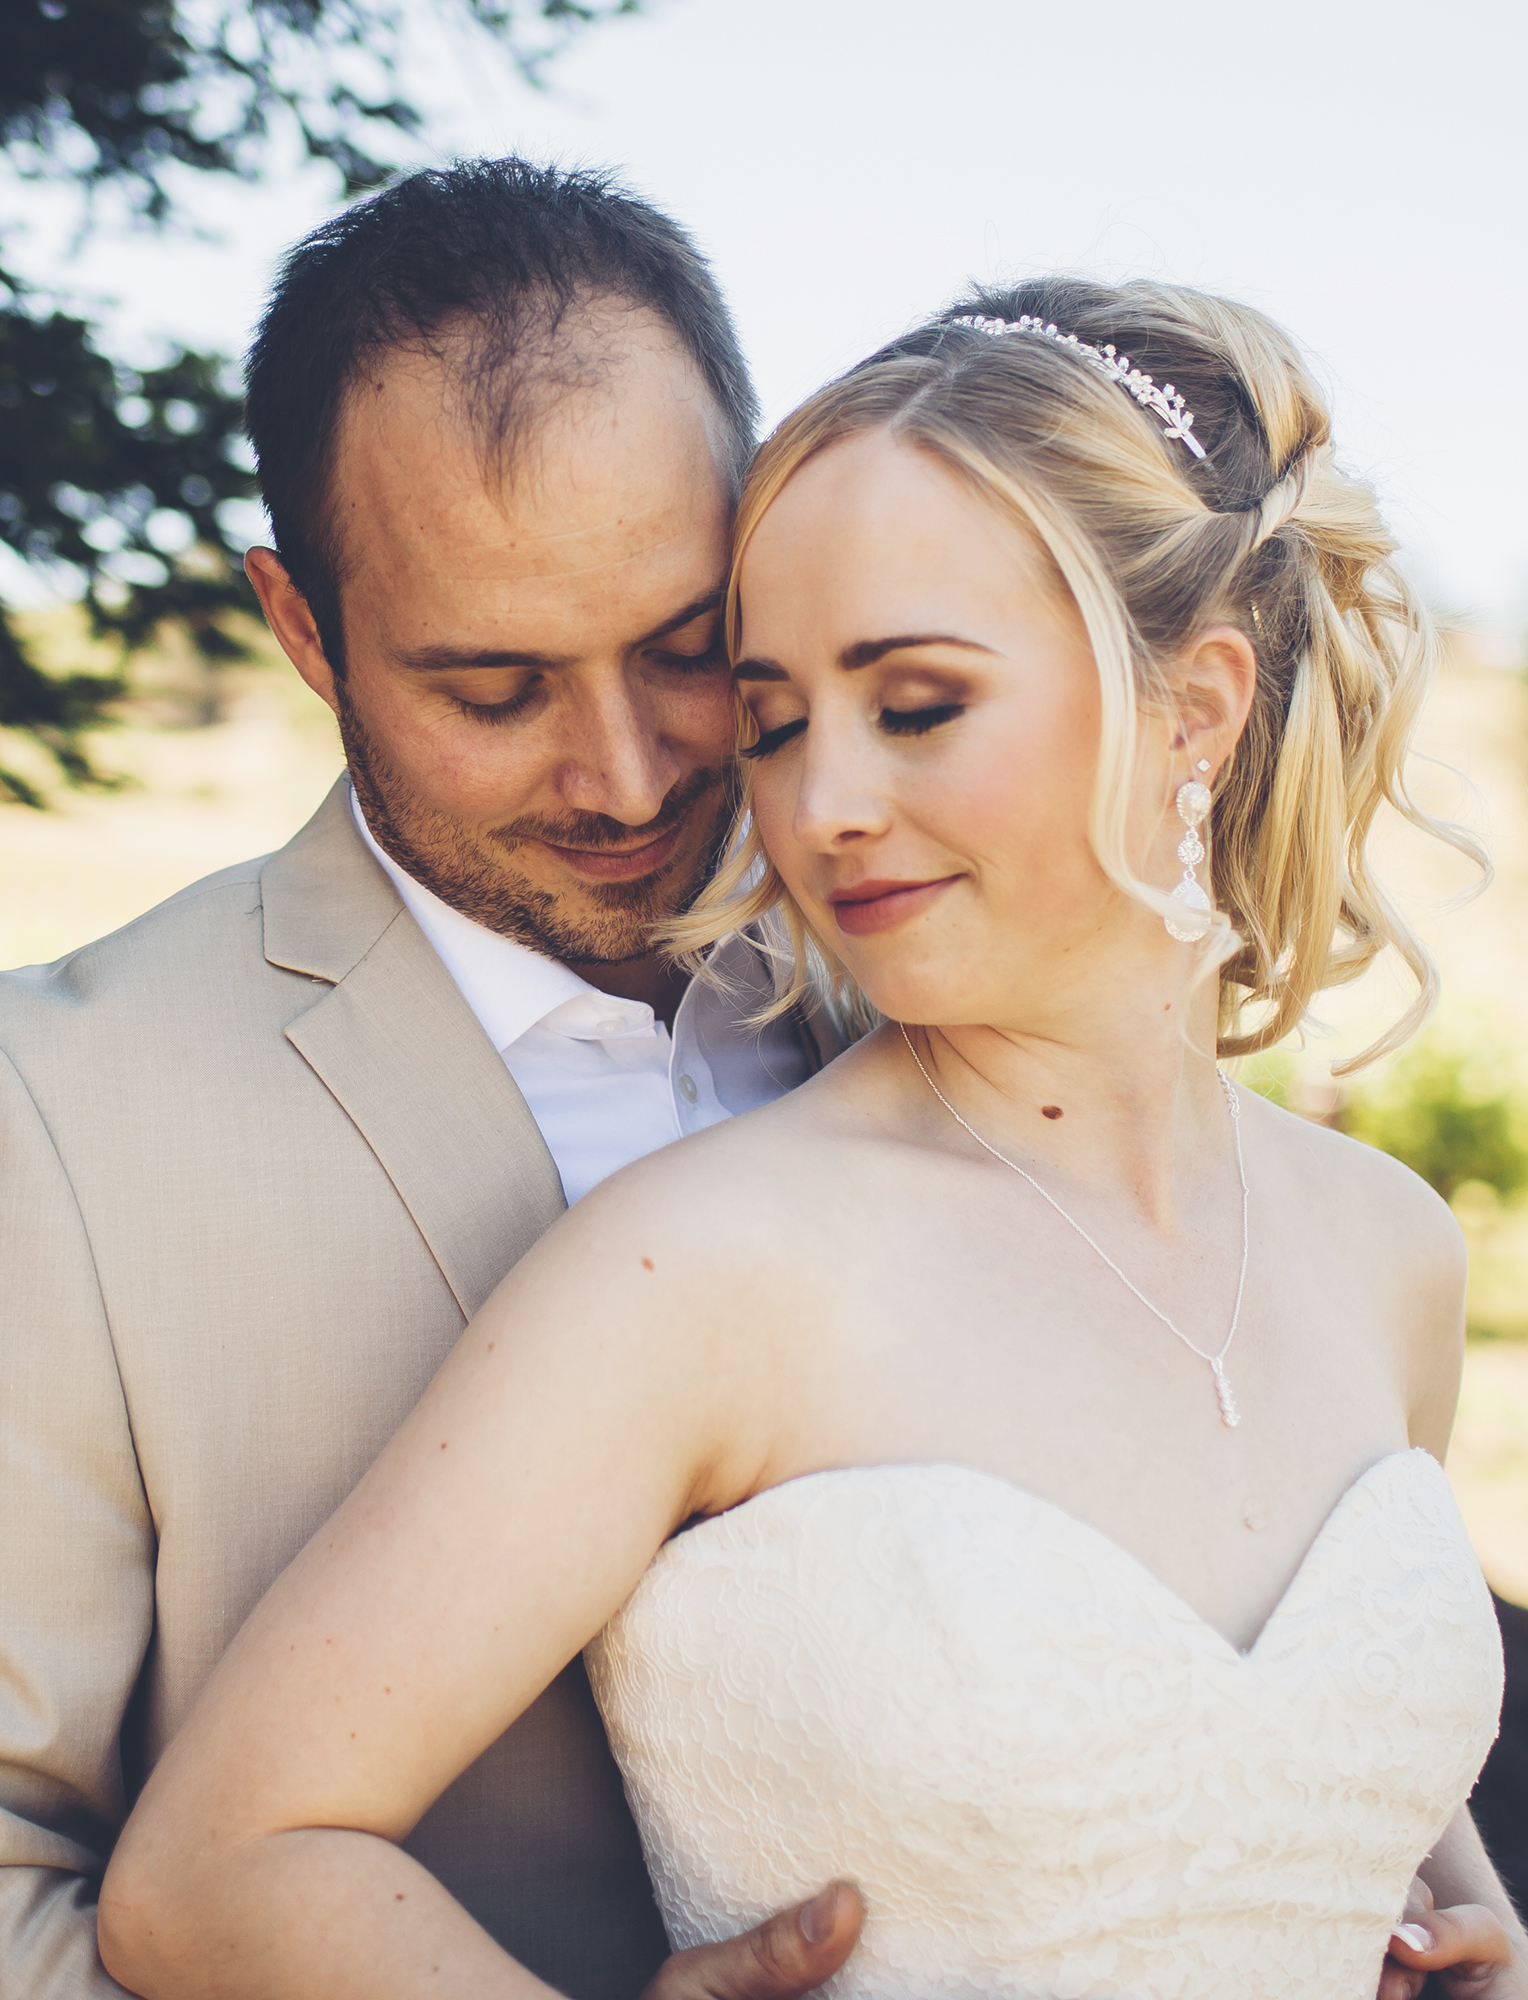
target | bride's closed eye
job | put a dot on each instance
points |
(918, 721)
(894, 721)
(771, 740)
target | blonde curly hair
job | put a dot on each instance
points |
(1265, 533)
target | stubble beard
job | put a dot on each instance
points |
(473, 871)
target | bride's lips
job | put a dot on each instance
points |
(622, 864)
(877, 906)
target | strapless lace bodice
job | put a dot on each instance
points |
(1049, 1777)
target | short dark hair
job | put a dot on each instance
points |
(502, 248)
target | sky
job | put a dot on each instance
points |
(1358, 171)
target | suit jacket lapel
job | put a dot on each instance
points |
(398, 1047)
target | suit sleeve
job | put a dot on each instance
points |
(76, 1573)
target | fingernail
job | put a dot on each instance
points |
(1414, 1935)
(816, 1919)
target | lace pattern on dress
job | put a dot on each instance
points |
(1048, 1775)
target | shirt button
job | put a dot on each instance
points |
(611, 1027)
(687, 1089)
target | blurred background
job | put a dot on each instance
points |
(1358, 173)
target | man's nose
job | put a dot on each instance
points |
(619, 761)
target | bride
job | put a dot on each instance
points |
(1004, 1473)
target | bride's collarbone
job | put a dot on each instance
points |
(1060, 1385)
(1043, 1312)
(976, 1275)
(907, 1320)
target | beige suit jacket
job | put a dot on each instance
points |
(258, 1164)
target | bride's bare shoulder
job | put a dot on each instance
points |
(1359, 1188)
(1386, 1225)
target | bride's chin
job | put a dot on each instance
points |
(927, 1002)
(905, 977)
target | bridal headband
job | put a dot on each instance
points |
(1165, 404)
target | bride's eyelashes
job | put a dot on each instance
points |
(894, 721)
(771, 740)
(918, 721)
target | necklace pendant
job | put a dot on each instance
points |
(1230, 1416)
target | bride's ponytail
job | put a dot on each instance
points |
(1346, 655)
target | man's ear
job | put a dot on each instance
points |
(1213, 682)
(288, 614)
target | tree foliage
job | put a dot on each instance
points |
(118, 475)
(1453, 1114)
(123, 475)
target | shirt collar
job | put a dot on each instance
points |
(509, 987)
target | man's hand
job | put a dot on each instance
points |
(1467, 1946)
(781, 1959)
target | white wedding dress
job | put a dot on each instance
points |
(1048, 1776)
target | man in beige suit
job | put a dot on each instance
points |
(263, 1152)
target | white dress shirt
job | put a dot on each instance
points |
(605, 1080)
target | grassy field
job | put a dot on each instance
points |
(195, 799)
(200, 796)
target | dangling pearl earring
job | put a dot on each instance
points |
(1193, 803)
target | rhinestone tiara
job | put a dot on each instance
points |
(1165, 404)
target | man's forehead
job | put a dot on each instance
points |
(616, 472)
(655, 585)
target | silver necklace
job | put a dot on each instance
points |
(1229, 1414)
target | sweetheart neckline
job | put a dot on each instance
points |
(1246, 1656)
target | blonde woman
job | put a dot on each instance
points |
(1005, 1473)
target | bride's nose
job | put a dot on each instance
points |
(842, 795)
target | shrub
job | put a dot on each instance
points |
(1451, 1114)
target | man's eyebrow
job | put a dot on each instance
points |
(451, 659)
(866, 652)
(702, 607)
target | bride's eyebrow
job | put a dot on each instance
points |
(865, 652)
